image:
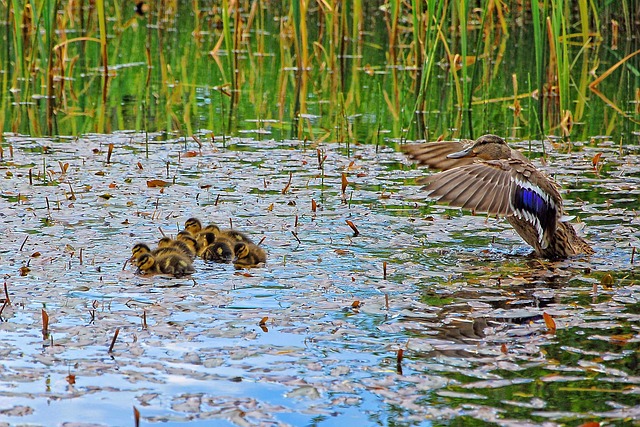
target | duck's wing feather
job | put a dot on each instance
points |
(536, 199)
(434, 154)
(483, 187)
(502, 187)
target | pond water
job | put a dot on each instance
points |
(460, 296)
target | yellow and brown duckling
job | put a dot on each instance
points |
(174, 263)
(142, 248)
(248, 255)
(214, 247)
(179, 245)
(487, 176)
(219, 251)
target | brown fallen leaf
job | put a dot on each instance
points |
(345, 182)
(621, 339)
(45, 321)
(157, 183)
(590, 424)
(596, 159)
(548, 320)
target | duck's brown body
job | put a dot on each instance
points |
(488, 176)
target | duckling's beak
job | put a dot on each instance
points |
(460, 154)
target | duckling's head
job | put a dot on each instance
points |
(241, 250)
(193, 226)
(139, 249)
(145, 262)
(165, 242)
(487, 147)
(211, 228)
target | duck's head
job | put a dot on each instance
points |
(145, 262)
(487, 147)
(139, 249)
(193, 225)
(165, 242)
(211, 228)
(241, 250)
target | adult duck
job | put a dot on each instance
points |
(488, 176)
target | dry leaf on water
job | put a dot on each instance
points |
(157, 183)
(548, 320)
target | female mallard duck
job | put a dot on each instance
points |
(488, 176)
(173, 263)
(248, 255)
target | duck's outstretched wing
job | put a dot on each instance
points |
(434, 154)
(501, 187)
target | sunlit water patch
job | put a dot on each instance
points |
(457, 293)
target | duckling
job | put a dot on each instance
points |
(193, 226)
(139, 249)
(178, 245)
(219, 251)
(173, 263)
(248, 255)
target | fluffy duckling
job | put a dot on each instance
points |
(173, 263)
(138, 249)
(186, 238)
(219, 251)
(142, 248)
(193, 226)
(248, 255)
(178, 245)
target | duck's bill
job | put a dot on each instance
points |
(459, 154)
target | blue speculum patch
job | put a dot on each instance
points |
(529, 200)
